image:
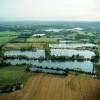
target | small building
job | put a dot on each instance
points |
(38, 35)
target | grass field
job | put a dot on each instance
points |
(7, 36)
(8, 33)
(24, 45)
(42, 39)
(31, 42)
(52, 87)
(6, 39)
(12, 75)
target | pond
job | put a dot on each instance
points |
(86, 66)
(30, 54)
(53, 52)
(53, 30)
(72, 45)
(67, 52)
(67, 41)
(58, 30)
(53, 71)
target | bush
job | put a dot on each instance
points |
(28, 69)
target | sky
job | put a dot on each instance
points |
(50, 10)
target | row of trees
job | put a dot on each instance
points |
(53, 58)
(1, 56)
(65, 71)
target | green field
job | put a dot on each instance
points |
(6, 39)
(24, 45)
(6, 36)
(31, 42)
(8, 33)
(13, 75)
(42, 39)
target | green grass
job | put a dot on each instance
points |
(24, 45)
(6, 39)
(7, 36)
(12, 75)
(42, 39)
(8, 33)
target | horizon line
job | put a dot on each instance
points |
(47, 20)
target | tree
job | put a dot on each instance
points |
(1, 53)
(73, 57)
(1, 56)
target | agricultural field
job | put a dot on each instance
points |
(13, 74)
(6, 36)
(24, 45)
(53, 87)
(49, 73)
(31, 42)
(42, 39)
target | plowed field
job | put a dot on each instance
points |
(52, 87)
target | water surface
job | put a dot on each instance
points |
(72, 45)
(31, 54)
(67, 52)
(86, 66)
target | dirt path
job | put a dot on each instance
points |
(51, 87)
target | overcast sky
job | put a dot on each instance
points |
(50, 9)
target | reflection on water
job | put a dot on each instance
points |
(53, 52)
(31, 54)
(58, 30)
(54, 71)
(67, 52)
(71, 46)
(86, 66)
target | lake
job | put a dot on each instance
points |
(53, 52)
(86, 66)
(58, 30)
(71, 45)
(31, 54)
(67, 52)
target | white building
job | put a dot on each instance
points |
(38, 35)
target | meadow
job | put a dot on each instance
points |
(6, 36)
(24, 45)
(31, 42)
(12, 75)
(42, 39)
